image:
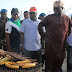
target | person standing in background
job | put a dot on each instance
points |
(26, 14)
(58, 27)
(12, 31)
(30, 38)
(42, 16)
(3, 20)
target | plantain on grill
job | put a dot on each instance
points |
(11, 65)
(2, 61)
(25, 61)
(28, 65)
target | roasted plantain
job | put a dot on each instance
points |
(5, 59)
(28, 65)
(11, 65)
(2, 63)
(26, 61)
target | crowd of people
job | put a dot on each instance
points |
(33, 36)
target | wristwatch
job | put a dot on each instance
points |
(21, 44)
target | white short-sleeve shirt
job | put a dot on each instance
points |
(9, 25)
(31, 34)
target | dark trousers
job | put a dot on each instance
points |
(43, 59)
(0, 46)
(16, 49)
(43, 50)
(69, 58)
(34, 55)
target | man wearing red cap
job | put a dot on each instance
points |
(57, 29)
(30, 38)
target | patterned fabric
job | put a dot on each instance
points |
(12, 28)
(16, 22)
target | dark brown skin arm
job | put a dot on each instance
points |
(2, 52)
(44, 22)
(21, 41)
(69, 31)
(8, 41)
(69, 27)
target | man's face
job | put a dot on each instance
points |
(33, 15)
(58, 10)
(15, 16)
(3, 15)
(26, 15)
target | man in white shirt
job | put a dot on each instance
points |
(30, 38)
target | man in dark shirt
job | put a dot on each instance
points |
(12, 31)
(57, 29)
(3, 20)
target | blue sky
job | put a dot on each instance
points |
(41, 5)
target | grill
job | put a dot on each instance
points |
(37, 68)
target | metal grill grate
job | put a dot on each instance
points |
(38, 68)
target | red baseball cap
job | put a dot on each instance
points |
(33, 9)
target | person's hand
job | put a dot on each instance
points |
(2, 52)
(21, 48)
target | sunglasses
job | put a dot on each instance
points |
(15, 13)
(32, 12)
(58, 8)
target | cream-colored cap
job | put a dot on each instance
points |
(58, 3)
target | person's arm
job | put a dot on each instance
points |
(2, 52)
(21, 41)
(41, 27)
(69, 31)
(69, 27)
(8, 30)
(8, 41)
(22, 30)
